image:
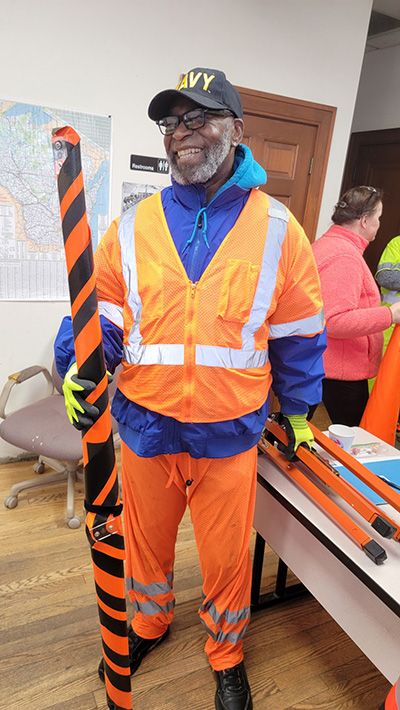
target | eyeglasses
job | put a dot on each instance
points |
(373, 191)
(191, 119)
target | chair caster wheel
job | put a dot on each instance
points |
(38, 467)
(11, 502)
(74, 522)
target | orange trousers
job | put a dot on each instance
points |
(221, 499)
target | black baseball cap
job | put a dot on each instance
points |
(209, 88)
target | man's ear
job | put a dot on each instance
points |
(237, 131)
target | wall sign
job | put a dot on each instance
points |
(151, 165)
(134, 192)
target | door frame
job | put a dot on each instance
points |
(321, 116)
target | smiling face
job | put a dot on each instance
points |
(204, 155)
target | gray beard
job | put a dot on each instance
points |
(213, 159)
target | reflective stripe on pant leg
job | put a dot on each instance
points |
(222, 507)
(152, 514)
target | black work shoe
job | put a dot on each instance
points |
(233, 690)
(138, 649)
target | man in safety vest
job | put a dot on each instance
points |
(207, 291)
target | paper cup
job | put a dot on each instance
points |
(342, 435)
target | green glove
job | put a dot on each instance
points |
(298, 432)
(80, 413)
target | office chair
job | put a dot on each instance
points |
(43, 428)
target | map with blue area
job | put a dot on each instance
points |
(32, 264)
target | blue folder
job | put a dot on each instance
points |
(389, 469)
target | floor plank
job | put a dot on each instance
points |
(297, 657)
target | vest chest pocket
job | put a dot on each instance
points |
(236, 297)
(150, 286)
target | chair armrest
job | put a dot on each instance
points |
(17, 378)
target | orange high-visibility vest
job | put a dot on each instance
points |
(198, 352)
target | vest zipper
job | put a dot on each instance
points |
(195, 250)
(190, 350)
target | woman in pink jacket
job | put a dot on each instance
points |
(355, 319)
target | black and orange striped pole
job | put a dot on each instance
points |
(102, 502)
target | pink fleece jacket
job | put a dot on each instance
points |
(355, 320)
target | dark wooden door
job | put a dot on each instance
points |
(374, 159)
(291, 140)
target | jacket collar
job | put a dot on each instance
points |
(341, 232)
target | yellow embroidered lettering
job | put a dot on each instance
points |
(207, 80)
(194, 79)
(182, 84)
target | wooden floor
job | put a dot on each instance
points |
(297, 657)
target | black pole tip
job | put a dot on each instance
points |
(375, 552)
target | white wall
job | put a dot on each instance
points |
(112, 56)
(378, 99)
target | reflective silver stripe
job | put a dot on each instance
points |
(304, 326)
(232, 617)
(390, 297)
(112, 312)
(388, 265)
(277, 226)
(207, 355)
(154, 354)
(153, 589)
(214, 356)
(277, 209)
(220, 636)
(135, 353)
(397, 686)
(151, 607)
(128, 258)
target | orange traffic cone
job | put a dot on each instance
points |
(382, 411)
(392, 701)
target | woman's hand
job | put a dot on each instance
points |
(395, 311)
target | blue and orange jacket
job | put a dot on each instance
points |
(240, 268)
